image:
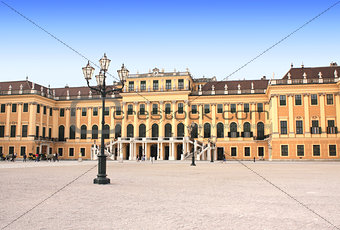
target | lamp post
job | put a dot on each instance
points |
(212, 144)
(103, 90)
(190, 128)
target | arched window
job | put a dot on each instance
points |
(155, 130)
(94, 132)
(220, 130)
(72, 132)
(106, 132)
(246, 127)
(129, 131)
(118, 131)
(260, 130)
(180, 130)
(233, 127)
(61, 134)
(142, 130)
(167, 130)
(207, 133)
(83, 132)
(194, 131)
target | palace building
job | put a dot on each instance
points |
(295, 117)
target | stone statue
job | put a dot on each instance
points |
(200, 87)
(213, 88)
(79, 93)
(320, 75)
(252, 85)
(21, 87)
(225, 87)
(289, 75)
(304, 75)
(239, 87)
(335, 74)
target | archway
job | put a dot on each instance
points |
(179, 151)
(153, 151)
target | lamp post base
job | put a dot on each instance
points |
(193, 164)
(101, 180)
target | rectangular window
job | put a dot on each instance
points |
(154, 109)
(315, 129)
(233, 108)
(38, 108)
(300, 150)
(45, 109)
(155, 84)
(82, 151)
(283, 125)
(24, 131)
(118, 110)
(37, 131)
(1, 149)
(194, 109)
(168, 84)
(71, 152)
(314, 99)
(299, 127)
(62, 112)
(95, 111)
(130, 110)
(84, 112)
(44, 132)
(25, 108)
(180, 83)
(332, 150)
(73, 112)
(315, 123)
(219, 108)
(283, 100)
(143, 85)
(22, 150)
(49, 133)
(316, 150)
(142, 109)
(180, 108)
(167, 108)
(51, 112)
(60, 152)
(331, 123)
(206, 108)
(284, 150)
(246, 107)
(330, 99)
(2, 131)
(298, 100)
(233, 151)
(131, 86)
(260, 107)
(247, 151)
(107, 111)
(13, 130)
(11, 150)
(14, 108)
(3, 108)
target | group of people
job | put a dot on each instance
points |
(9, 157)
(36, 157)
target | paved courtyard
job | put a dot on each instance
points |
(171, 195)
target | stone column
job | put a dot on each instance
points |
(213, 120)
(162, 156)
(337, 106)
(163, 122)
(67, 126)
(8, 115)
(78, 114)
(124, 119)
(253, 115)
(41, 120)
(200, 118)
(148, 109)
(239, 115)
(322, 115)
(266, 118)
(226, 120)
(291, 115)
(274, 116)
(32, 119)
(172, 157)
(173, 124)
(112, 120)
(55, 122)
(135, 124)
(306, 121)
(89, 123)
(19, 111)
(187, 105)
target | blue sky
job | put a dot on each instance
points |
(211, 38)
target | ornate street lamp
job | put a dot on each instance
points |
(190, 128)
(101, 87)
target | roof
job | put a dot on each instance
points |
(233, 85)
(312, 72)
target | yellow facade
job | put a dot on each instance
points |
(292, 118)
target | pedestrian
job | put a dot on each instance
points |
(224, 159)
(24, 157)
(254, 159)
(37, 157)
(56, 157)
(14, 156)
(143, 159)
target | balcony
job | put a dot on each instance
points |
(332, 130)
(246, 134)
(233, 134)
(315, 130)
(261, 137)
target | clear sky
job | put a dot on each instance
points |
(211, 38)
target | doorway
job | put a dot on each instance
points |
(220, 153)
(261, 151)
(179, 151)
(140, 152)
(127, 152)
(153, 151)
(166, 154)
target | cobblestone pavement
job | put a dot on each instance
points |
(170, 195)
